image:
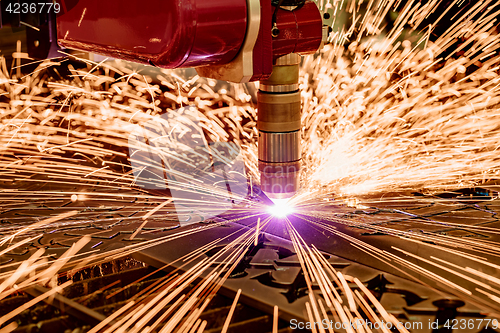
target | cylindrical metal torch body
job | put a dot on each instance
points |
(279, 113)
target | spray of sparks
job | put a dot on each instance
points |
(380, 115)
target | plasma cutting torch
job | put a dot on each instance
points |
(232, 40)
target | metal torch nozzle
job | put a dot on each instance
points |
(279, 113)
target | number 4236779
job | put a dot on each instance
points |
(471, 323)
(33, 8)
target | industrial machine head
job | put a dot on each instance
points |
(232, 40)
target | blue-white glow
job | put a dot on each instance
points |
(281, 208)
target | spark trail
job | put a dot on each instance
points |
(423, 255)
(386, 114)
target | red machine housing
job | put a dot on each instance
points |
(169, 34)
(300, 30)
(187, 33)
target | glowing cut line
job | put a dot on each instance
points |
(281, 208)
